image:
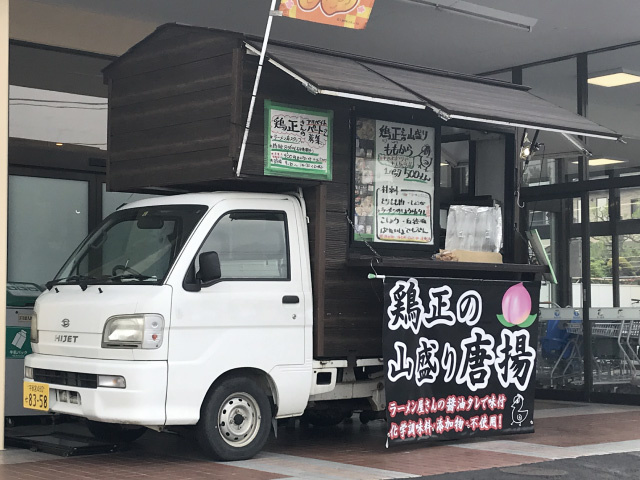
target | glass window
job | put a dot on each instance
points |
(539, 171)
(601, 273)
(48, 218)
(250, 245)
(577, 210)
(133, 245)
(599, 206)
(547, 170)
(559, 365)
(630, 203)
(629, 268)
(553, 221)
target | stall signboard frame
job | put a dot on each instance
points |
(298, 141)
(459, 362)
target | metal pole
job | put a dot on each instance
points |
(4, 162)
(583, 169)
(272, 12)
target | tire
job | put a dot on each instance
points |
(366, 416)
(327, 417)
(234, 420)
(114, 432)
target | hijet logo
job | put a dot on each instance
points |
(516, 307)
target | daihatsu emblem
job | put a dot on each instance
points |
(65, 322)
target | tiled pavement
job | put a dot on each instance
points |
(349, 451)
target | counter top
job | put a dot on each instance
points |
(428, 265)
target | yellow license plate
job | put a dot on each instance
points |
(35, 396)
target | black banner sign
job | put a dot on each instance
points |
(459, 357)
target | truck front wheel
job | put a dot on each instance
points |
(234, 421)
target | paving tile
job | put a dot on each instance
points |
(349, 451)
(585, 429)
(128, 466)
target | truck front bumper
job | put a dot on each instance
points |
(141, 402)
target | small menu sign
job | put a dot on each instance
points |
(297, 141)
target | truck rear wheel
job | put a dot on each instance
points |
(234, 421)
(114, 432)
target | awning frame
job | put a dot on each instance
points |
(315, 90)
(424, 103)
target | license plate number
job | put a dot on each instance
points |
(35, 396)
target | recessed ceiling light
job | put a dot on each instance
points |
(598, 162)
(59, 144)
(614, 78)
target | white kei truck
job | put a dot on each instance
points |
(193, 309)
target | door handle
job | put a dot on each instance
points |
(290, 299)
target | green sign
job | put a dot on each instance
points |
(297, 141)
(18, 342)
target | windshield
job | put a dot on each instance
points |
(132, 245)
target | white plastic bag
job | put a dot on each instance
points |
(477, 229)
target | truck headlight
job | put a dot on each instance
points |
(34, 328)
(133, 331)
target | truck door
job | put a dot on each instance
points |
(254, 316)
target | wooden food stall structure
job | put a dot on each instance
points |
(178, 105)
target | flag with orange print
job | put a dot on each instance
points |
(342, 13)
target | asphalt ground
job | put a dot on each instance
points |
(617, 466)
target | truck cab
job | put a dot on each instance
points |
(186, 310)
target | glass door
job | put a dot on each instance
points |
(48, 218)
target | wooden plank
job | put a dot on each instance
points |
(237, 126)
(191, 107)
(173, 139)
(338, 196)
(358, 339)
(192, 167)
(353, 312)
(176, 80)
(152, 54)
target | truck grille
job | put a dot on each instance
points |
(69, 379)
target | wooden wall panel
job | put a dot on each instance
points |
(172, 81)
(161, 171)
(157, 53)
(191, 107)
(170, 108)
(172, 139)
(338, 197)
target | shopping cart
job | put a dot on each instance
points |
(615, 344)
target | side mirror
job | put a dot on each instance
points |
(209, 267)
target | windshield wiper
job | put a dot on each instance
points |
(81, 279)
(132, 276)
